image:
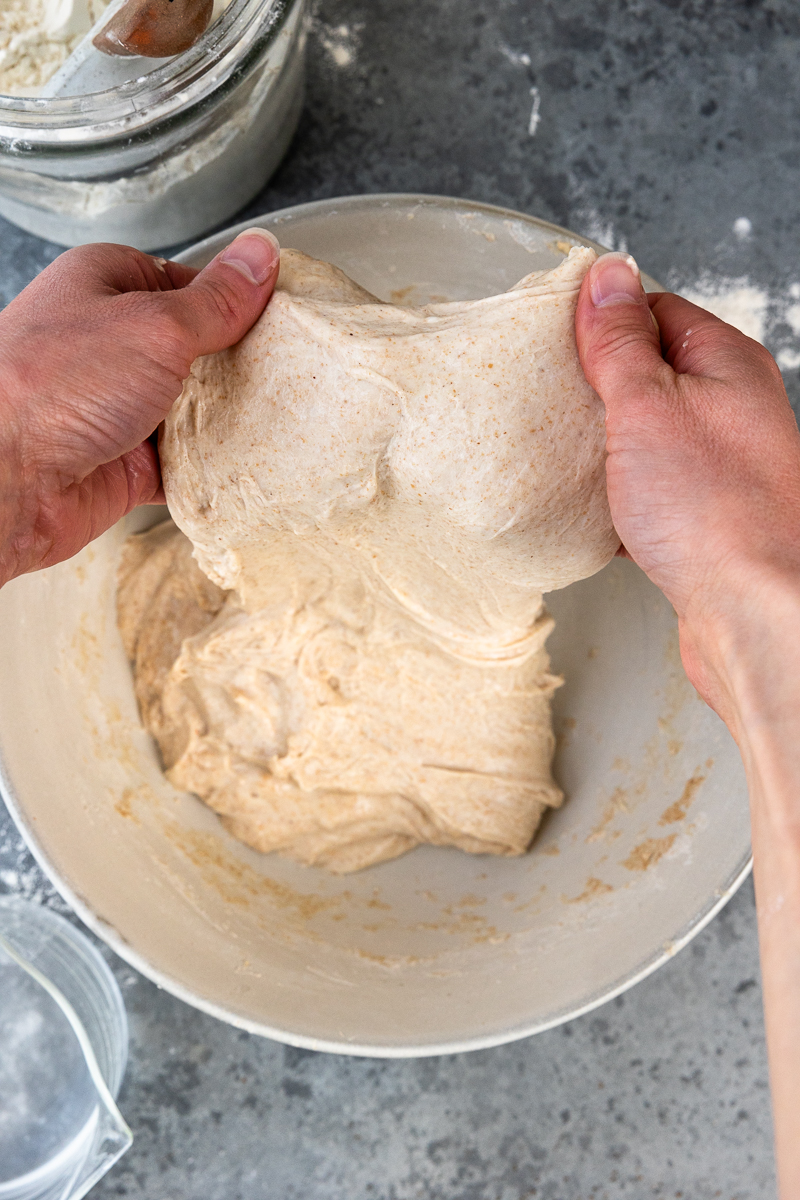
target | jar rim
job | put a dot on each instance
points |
(218, 60)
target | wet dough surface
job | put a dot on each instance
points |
(341, 648)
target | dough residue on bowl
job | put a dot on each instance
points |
(339, 646)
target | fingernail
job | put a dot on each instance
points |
(253, 254)
(614, 279)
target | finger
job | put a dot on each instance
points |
(143, 475)
(618, 343)
(227, 297)
(80, 513)
(116, 487)
(695, 342)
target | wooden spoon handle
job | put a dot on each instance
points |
(154, 28)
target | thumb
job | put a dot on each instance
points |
(618, 339)
(228, 296)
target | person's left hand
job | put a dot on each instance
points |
(93, 354)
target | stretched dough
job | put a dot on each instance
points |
(375, 499)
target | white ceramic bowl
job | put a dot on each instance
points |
(438, 951)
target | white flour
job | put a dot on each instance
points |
(767, 317)
(764, 315)
(339, 41)
(188, 186)
(19, 874)
(535, 117)
(588, 221)
(35, 38)
(733, 300)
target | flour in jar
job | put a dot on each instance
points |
(36, 36)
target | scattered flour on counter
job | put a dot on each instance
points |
(591, 224)
(517, 57)
(35, 38)
(788, 360)
(19, 874)
(535, 118)
(733, 300)
(792, 314)
(340, 41)
(788, 356)
(764, 315)
(768, 318)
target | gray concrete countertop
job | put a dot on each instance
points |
(667, 127)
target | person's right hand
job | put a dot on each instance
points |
(704, 484)
(703, 460)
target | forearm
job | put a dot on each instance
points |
(761, 668)
(776, 852)
(703, 474)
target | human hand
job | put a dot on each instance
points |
(704, 483)
(703, 462)
(93, 354)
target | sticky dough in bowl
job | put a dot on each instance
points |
(437, 951)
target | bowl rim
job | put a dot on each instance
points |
(214, 242)
(717, 900)
(112, 938)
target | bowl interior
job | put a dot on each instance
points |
(415, 249)
(437, 951)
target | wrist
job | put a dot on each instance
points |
(746, 647)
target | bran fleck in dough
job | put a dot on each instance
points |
(339, 644)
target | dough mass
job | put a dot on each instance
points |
(340, 644)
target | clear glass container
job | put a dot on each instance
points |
(63, 1048)
(167, 156)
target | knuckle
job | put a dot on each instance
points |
(770, 365)
(617, 340)
(98, 256)
(625, 363)
(618, 346)
(100, 269)
(740, 353)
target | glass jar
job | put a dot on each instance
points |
(165, 157)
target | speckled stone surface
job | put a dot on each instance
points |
(668, 127)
